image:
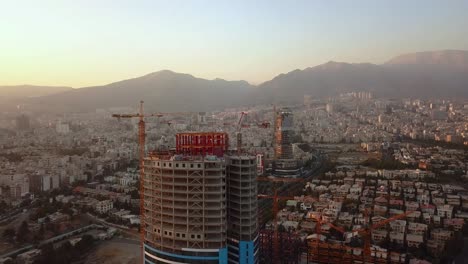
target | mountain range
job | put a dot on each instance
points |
(162, 91)
(30, 90)
(422, 75)
(435, 74)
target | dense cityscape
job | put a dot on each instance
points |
(347, 179)
(233, 132)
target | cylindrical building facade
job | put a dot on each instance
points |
(184, 217)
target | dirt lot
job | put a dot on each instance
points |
(117, 250)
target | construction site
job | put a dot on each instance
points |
(200, 203)
(198, 200)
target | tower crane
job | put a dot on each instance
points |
(260, 123)
(318, 231)
(238, 132)
(366, 232)
(239, 125)
(275, 199)
(141, 146)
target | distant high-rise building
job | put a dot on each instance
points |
(62, 128)
(388, 110)
(457, 139)
(200, 206)
(260, 164)
(201, 118)
(22, 122)
(283, 134)
(330, 108)
(308, 100)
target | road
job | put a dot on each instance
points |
(127, 231)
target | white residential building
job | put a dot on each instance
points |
(105, 206)
(445, 211)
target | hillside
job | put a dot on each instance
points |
(455, 59)
(162, 91)
(424, 75)
(438, 74)
(30, 90)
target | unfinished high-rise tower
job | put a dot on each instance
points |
(242, 209)
(200, 204)
(283, 134)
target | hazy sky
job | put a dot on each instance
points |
(82, 43)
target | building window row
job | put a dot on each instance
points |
(181, 165)
(177, 234)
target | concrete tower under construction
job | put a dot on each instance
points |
(187, 216)
(283, 134)
(242, 209)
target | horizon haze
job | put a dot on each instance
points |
(85, 43)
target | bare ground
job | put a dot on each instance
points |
(115, 251)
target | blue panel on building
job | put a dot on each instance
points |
(223, 256)
(246, 252)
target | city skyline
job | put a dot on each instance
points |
(233, 132)
(99, 43)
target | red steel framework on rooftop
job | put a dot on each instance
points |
(202, 144)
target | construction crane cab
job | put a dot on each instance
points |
(238, 133)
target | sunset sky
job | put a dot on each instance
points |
(88, 42)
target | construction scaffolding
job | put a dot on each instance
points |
(283, 134)
(295, 249)
(326, 252)
(201, 144)
(290, 246)
(336, 252)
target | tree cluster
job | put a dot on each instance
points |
(66, 253)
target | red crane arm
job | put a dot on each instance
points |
(148, 115)
(274, 179)
(382, 223)
(337, 228)
(126, 115)
(396, 217)
(240, 121)
(264, 196)
(159, 114)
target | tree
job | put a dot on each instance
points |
(39, 235)
(41, 232)
(3, 207)
(25, 202)
(84, 244)
(47, 254)
(67, 210)
(23, 232)
(134, 194)
(281, 228)
(9, 234)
